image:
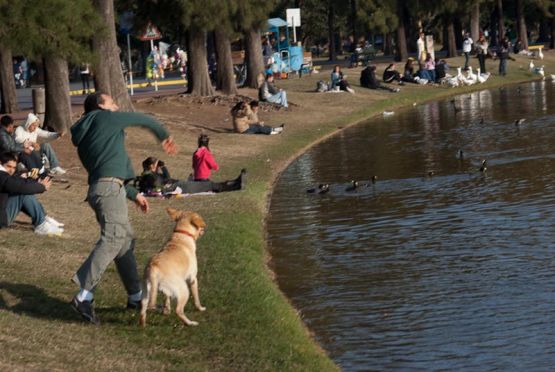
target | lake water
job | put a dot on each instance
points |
(450, 270)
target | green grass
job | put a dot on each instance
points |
(248, 325)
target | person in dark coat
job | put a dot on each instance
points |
(18, 195)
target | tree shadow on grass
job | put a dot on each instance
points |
(31, 300)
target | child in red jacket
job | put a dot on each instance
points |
(203, 161)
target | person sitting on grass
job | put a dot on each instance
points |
(39, 138)
(7, 140)
(368, 80)
(269, 92)
(390, 75)
(156, 181)
(339, 80)
(408, 73)
(245, 120)
(17, 195)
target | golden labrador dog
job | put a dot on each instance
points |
(173, 269)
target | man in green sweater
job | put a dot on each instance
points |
(99, 137)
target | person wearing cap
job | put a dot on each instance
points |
(39, 139)
(99, 136)
(270, 93)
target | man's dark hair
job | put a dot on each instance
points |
(93, 102)
(8, 156)
(203, 140)
(254, 103)
(6, 121)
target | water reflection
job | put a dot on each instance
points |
(453, 271)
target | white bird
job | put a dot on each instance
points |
(460, 77)
(453, 82)
(553, 77)
(482, 78)
(540, 71)
(471, 76)
(531, 66)
(540, 54)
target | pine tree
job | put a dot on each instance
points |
(57, 40)
(252, 16)
(107, 68)
(9, 11)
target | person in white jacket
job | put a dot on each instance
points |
(31, 132)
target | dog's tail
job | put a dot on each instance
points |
(150, 292)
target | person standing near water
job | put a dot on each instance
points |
(99, 137)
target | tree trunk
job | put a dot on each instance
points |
(458, 32)
(388, 44)
(226, 79)
(402, 51)
(354, 24)
(58, 104)
(543, 34)
(200, 84)
(493, 26)
(500, 19)
(552, 31)
(521, 28)
(255, 61)
(7, 82)
(108, 72)
(451, 40)
(475, 20)
(331, 33)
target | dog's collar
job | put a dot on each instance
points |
(184, 232)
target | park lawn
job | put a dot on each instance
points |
(249, 324)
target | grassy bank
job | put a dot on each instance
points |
(249, 324)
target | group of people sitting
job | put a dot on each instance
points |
(156, 180)
(27, 165)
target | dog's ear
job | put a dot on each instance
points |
(197, 221)
(174, 213)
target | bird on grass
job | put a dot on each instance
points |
(353, 187)
(460, 155)
(431, 173)
(519, 121)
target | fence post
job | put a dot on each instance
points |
(39, 103)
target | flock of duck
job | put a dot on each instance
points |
(355, 186)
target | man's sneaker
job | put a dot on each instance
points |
(47, 228)
(57, 171)
(86, 309)
(53, 221)
(133, 305)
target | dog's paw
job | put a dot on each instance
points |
(192, 323)
(166, 311)
(201, 308)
